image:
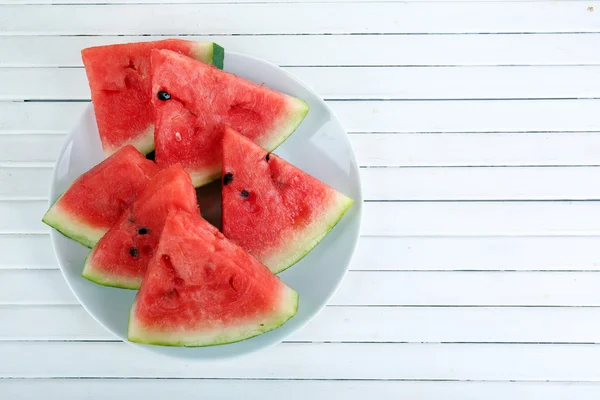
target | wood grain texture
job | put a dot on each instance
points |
(350, 50)
(332, 83)
(352, 324)
(365, 361)
(376, 288)
(462, 116)
(301, 18)
(100, 389)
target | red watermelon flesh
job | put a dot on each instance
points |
(119, 78)
(272, 209)
(203, 101)
(122, 255)
(94, 202)
(203, 290)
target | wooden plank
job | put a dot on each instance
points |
(396, 253)
(42, 117)
(409, 184)
(354, 324)
(300, 18)
(497, 149)
(473, 253)
(381, 288)
(371, 116)
(464, 184)
(469, 116)
(297, 361)
(350, 50)
(120, 2)
(406, 83)
(27, 251)
(483, 218)
(399, 150)
(409, 218)
(30, 183)
(100, 389)
(30, 147)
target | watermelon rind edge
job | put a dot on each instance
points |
(289, 126)
(70, 227)
(218, 55)
(338, 210)
(104, 280)
(208, 53)
(137, 334)
(143, 142)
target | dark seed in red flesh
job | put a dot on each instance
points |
(162, 95)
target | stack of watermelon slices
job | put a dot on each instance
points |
(197, 286)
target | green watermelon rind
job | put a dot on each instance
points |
(199, 178)
(313, 236)
(144, 143)
(89, 273)
(289, 308)
(209, 53)
(299, 110)
(72, 228)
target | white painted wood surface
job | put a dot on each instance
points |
(477, 130)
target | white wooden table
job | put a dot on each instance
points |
(477, 128)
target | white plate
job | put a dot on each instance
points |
(319, 147)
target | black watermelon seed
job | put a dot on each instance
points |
(228, 178)
(244, 193)
(134, 252)
(162, 95)
(268, 156)
(143, 231)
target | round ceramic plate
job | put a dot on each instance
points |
(319, 146)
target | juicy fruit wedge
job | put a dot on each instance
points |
(201, 102)
(202, 290)
(122, 255)
(272, 209)
(94, 202)
(119, 78)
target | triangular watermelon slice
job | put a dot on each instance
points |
(122, 255)
(119, 78)
(194, 102)
(94, 202)
(203, 290)
(272, 209)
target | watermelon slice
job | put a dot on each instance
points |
(119, 78)
(272, 209)
(202, 290)
(194, 102)
(122, 255)
(97, 198)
